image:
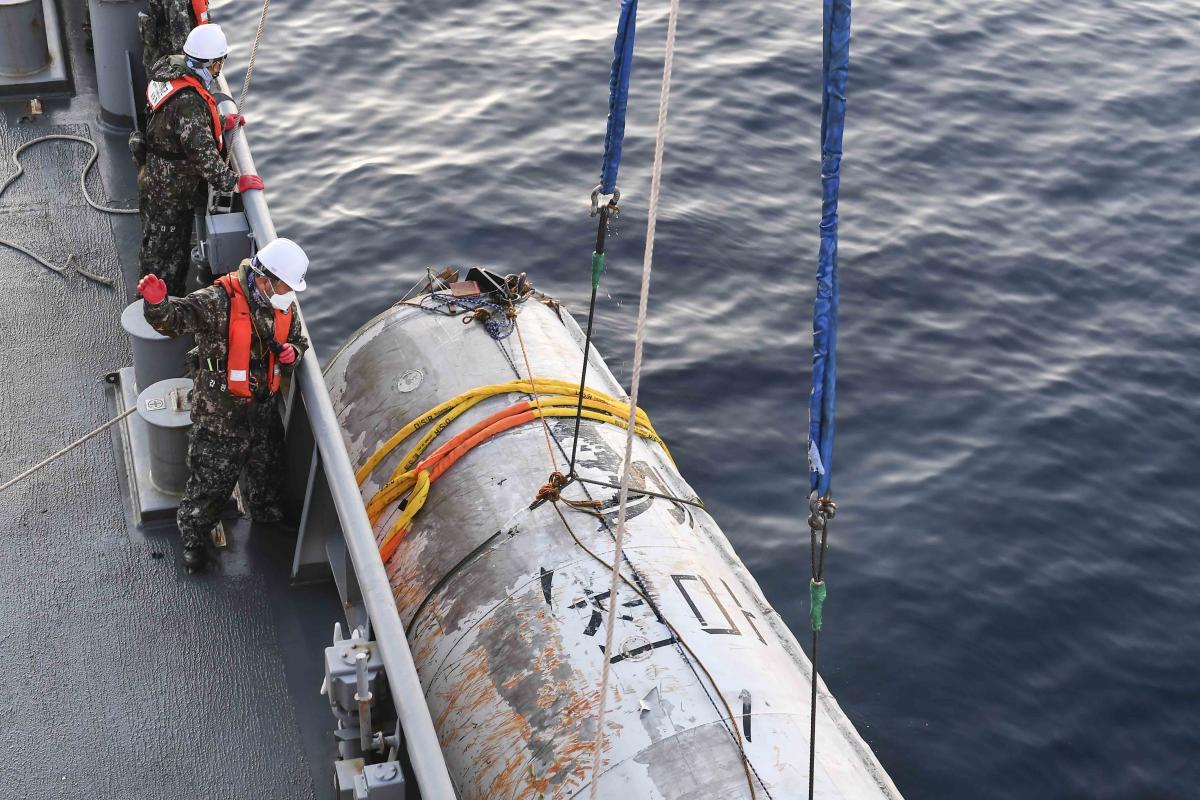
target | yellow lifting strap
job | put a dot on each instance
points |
(412, 476)
(464, 401)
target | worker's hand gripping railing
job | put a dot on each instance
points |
(424, 750)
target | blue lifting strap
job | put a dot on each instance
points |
(618, 95)
(835, 66)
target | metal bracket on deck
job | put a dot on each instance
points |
(356, 685)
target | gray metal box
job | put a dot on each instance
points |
(384, 781)
(341, 674)
(228, 241)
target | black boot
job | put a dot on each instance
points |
(195, 559)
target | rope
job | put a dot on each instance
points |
(537, 400)
(639, 337)
(68, 448)
(241, 103)
(482, 310)
(82, 187)
(82, 176)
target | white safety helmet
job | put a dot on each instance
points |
(284, 259)
(206, 43)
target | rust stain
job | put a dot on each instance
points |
(512, 682)
(523, 732)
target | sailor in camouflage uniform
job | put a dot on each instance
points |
(247, 337)
(184, 144)
(165, 26)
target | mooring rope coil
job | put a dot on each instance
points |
(82, 187)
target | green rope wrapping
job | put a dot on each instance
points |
(816, 595)
(597, 268)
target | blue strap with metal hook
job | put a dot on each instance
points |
(618, 95)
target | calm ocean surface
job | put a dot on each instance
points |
(1015, 573)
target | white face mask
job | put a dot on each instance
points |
(283, 302)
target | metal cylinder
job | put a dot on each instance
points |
(506, 606)
(155, 357)
(168, 414)
(23, 47)
(118, 47)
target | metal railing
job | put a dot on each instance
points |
(420, 738)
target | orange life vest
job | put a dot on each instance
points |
(200, 12)
(159, 92)
(241, 331)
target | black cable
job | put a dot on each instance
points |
(606, 212)
(633, 490)
(823, 509)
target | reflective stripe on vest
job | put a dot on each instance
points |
(241, 331)
(200, 12)
(159, 92)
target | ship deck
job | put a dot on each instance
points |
(120, 675)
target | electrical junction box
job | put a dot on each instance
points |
(228, 242)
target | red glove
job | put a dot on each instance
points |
(153, 289)
(287, 355)
(248, 182)
(232, 121)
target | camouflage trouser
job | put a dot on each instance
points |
(218, 453)
(167, 244)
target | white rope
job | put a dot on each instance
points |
(639, 337)
(82, 187)
(82, 176)
(241, 103)
(68, 448)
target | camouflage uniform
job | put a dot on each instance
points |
(229, 434)
(181, 157)
(166, 29)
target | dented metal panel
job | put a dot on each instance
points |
(506, 610)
